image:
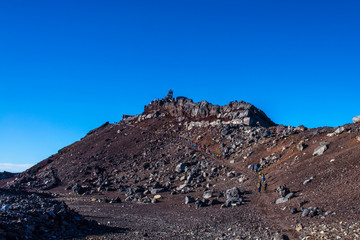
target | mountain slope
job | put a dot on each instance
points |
(179, 149)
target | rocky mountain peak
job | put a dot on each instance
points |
(181, 107)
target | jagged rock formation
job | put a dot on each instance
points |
(356, 119)
(242, 112)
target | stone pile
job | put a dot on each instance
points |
(26, 215)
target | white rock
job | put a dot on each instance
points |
(320, 149)
(284, 199)
(242, 179)
(179, 188)
(207, 194)
(356, 119)
(339, 130)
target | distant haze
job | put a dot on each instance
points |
(11, 167)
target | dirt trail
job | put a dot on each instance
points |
(264, 203)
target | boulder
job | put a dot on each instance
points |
(198, 204)
(230, 174)
(189, 199)
(207, 194)
(233, 193)
(181, 187)
(300, 128)
(284, 199)
(305, 212)
(339, 130)
(181, 167)
(321, 149)
(313, 211)
(293, 210)
(308, 180)
(80, 189)
(233, 196)
(356, 119)
(301, 146)
(146, 165)
(156, 190)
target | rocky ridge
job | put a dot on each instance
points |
(241, 113)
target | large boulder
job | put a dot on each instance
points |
(233, 195)
(339, 130)
(356, 119)
(321, 149)
(284, 199)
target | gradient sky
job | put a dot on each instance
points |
(67, 67)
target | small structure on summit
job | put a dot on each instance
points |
(169, 97)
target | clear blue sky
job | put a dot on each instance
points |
(66, 67)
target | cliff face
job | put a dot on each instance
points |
(243, 112)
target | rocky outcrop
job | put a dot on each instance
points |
(356, 119)
(242, 112)
(233, 196)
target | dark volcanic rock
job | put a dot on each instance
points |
(26, 215)
(189, 199)
(6, 175)
(183, 107)
(233, 196)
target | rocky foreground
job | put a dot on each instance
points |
(184, 170)
(25, 215)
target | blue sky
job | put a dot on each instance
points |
(66, 67)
